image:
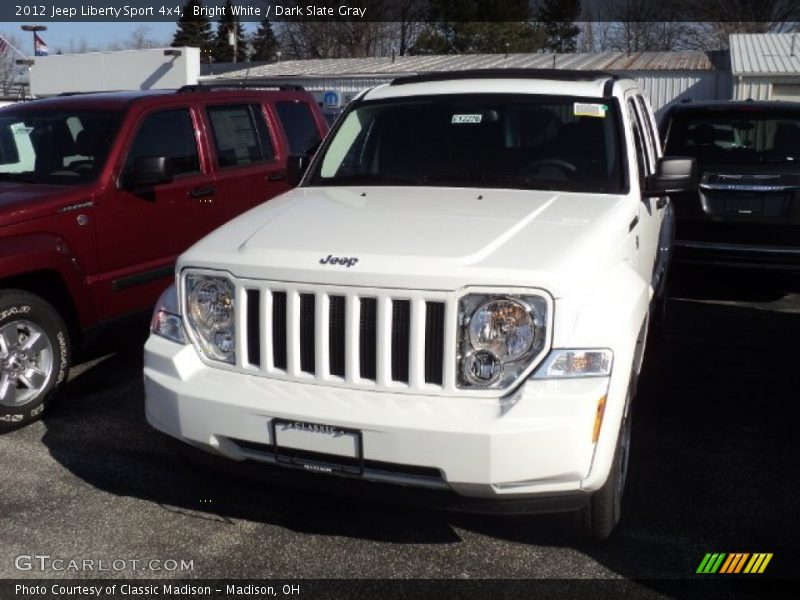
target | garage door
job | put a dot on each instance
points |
(786, 92)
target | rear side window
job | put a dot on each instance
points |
(240, 135)
(168, 133)
(647, 133)
(299, 125)
(638, 139)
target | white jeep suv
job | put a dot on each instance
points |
(456, 297)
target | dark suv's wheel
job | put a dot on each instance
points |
(34, 357)
(598, 519)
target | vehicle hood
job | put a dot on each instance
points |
(20, 201)
(421, 237)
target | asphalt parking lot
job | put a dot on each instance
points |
(715, 466)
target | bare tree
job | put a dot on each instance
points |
(79, 46)
(140, 39)
(595, 35)
(646, 25)
(410, 15)
(9, 70)
(345, 38)
(716, 20)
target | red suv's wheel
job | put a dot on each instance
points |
(34, 357)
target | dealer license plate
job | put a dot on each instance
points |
(317, 447)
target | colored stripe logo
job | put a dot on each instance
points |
(736, 562)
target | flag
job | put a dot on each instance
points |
(3, 45)
(39, 47)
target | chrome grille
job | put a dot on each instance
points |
(353, 337)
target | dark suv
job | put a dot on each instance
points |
(747, 211)
(99, 193)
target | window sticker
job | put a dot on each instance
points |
(584, 109)
(458, 119)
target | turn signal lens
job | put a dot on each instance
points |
(576, 363)
(166, 320)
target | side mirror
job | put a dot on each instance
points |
(296, 166)
(674, 175)
(149, 171)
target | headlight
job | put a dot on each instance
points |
(502, 326)
(499, 336)
(166, 320)
(562, 363)
(210, 314)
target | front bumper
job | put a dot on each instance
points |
(534, 445)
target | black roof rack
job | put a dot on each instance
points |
(91, 92)
(238, 85)
(554, 74)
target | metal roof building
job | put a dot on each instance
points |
(766, 66)
(665, 76)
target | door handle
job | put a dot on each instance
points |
(276, 176)
(202, 192)
(661, 202)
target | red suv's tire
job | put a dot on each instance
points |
(34, 357)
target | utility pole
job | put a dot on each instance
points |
(34, 29)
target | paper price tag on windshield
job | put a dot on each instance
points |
(466, 119)
(584, 109)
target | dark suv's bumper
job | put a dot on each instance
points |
(748, 256)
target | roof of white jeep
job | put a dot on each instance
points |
(590, 84)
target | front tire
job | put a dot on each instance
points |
(599, 518)
(34, 357)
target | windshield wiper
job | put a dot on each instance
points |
(376, 179)
(477, 178)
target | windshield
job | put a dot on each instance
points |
(736, 137)
(477, 140)
(68, 147)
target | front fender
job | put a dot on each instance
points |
(28, 253)
(612, 316)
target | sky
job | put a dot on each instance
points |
(59, 35)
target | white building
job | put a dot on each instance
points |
(766, 66)
(157, 68)
(665, 76)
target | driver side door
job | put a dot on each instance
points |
(140, 232)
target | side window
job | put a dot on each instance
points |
(240, 134)
(299, 125)
(16, 150)
(638, 140)
(649, 126)
(168, 133)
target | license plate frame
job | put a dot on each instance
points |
(312, 464)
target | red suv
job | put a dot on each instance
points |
(99, 193)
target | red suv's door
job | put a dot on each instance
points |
(141, 231)
(249, 161)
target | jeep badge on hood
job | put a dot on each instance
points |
(338, 260)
